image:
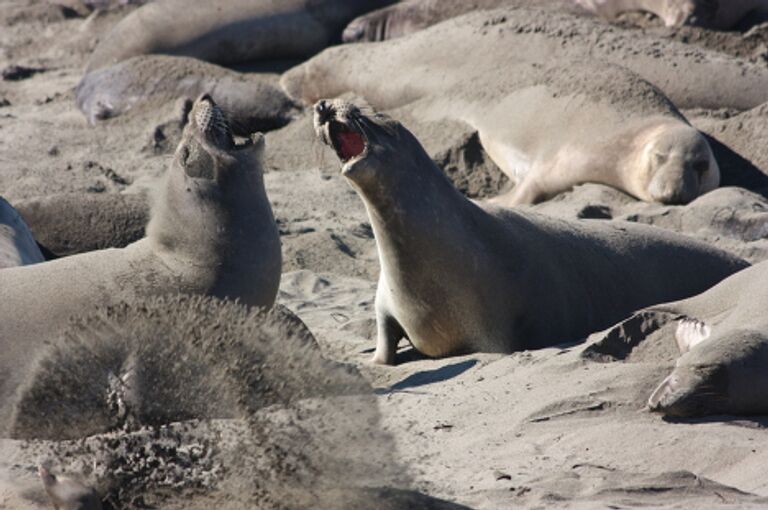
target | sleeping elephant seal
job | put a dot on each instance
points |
(722, 335)
(17, 246)
(552, 127)
(457, 277)
(715, 14)
(251, 102)
(229, 31)
(211, 232)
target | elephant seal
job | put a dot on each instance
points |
(715, 14)
(574, 123)
(446, 261)
(70, 223)
(17, 246)
(722, 335)
(252, 102)
(229, 31)
(483, 46)
(410, 16)
(211, 232)
(68, 494)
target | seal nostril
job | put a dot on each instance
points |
(324, 112)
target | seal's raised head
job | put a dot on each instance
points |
(679, 163)
(208, 149)
(367, 143)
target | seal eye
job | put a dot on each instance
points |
(659, 158)
(347, 143)
(700, 167)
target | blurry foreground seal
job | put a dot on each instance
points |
(229, 31)
(68, 494)
(211, 232)
(17, 246)
(458, 277)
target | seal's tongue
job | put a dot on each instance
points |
(348, 143)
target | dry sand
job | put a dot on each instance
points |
(535, 429)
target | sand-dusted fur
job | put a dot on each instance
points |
(211, 232)
(17, 246)
(71, 223)
(717, 14)
(458, 277)
(68, 494)
(252, 102)
(229, 31)
(305, 430)
(483, 46)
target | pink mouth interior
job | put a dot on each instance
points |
(348, 143)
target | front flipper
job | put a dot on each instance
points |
(389, 333)
(691, 332)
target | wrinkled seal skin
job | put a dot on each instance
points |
(722, 335)
(251, 102)
(459, 277)
(229, 31)
(715, 14)
(68, 494)
(211, 232)
(410, 16)
(17, 246)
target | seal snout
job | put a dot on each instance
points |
(338, 126)
(212, 123)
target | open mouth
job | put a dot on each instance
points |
(347, 143)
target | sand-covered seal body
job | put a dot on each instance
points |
(722, 335)
(17, 245)
(716, 14)
(229, 31)
(211, 232)
(68, 494)
(252, 102)
(482, 46)
(458, 277)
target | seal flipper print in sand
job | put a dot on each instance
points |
(211, 232)
(457, 277)
(229, 31)
(17, 246)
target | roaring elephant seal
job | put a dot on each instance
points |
(715, 14)
(456, 276)
(229, 31)
(251, 102)
(410, 16)
(211, 232)
(483, 46)
(17, 246)
(68, 494)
